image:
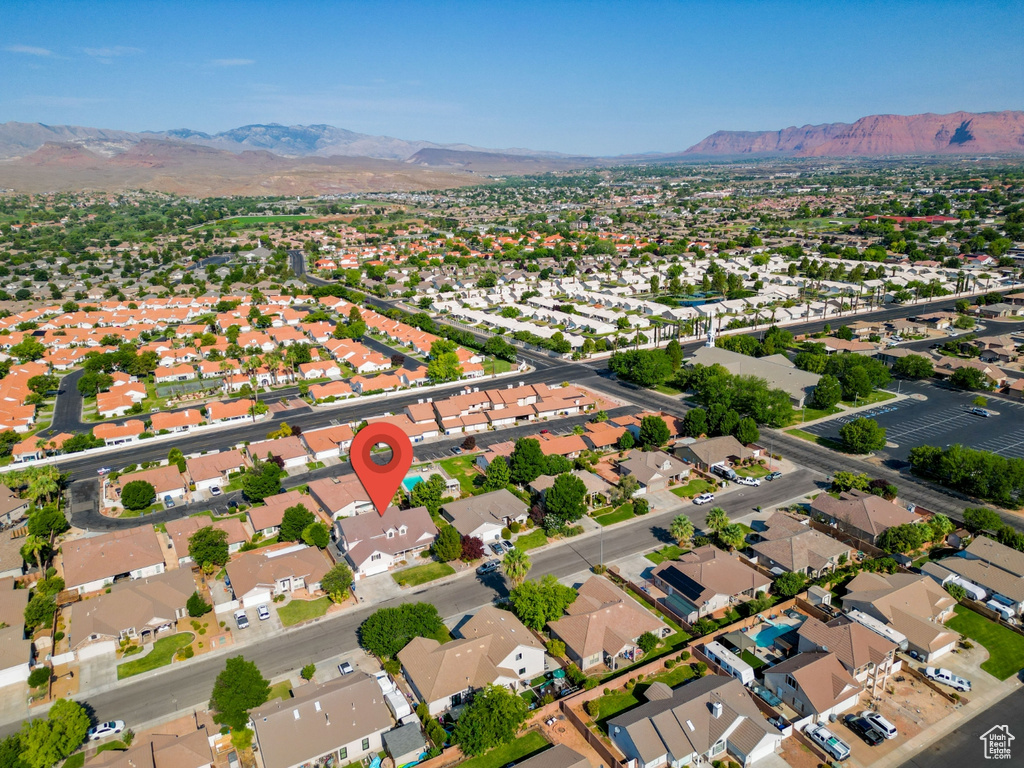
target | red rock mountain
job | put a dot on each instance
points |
(957, 133)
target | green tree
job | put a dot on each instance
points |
(197, 606)
(969, 378)
(448, 544)
(536, 603)
(979, 519)
(317, 535)
(428, 493)
(295, 520)
(626, 441)
(10, 752)
(138, 494)
(176, 457)
(92, 382)
(336, 582)
(941, 525)
(444, 363)
(675, 354)
(237, 690)
(527, 461)
(307, 672)
(647, 642)
(732, 536)
(645, 367)
(856, 384)
(38, 677)
(717, 519)
(43, 384)
(494, 717)
(654, 432)
(388, 630)
(913, 367)
(208, 546)
(695, 422)
(27, 350)
(263, 479)
(956, 591)
(516, 565)
(565, 500)
(681, 530)
(827, 393)
(746, 431)
(862, 435)
(45, 743)
(498, 474)
(626, 489)
(39, 611)
(789, 584)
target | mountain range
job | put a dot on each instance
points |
(323, 159)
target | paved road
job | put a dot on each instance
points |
(153, 696)
(964, 746)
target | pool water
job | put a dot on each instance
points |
(766, 637)
(411, 482)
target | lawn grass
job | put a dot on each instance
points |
(665, 389)
(804, 415)
(824, 442)
(668, 552)
(120, 746)
(240, 222)
(754, 470)
(421, 574)
(282, 690)
(303, 610)
(877, 396)
(77, 760)
(526, 745)
(612, 704)
(1005, 647)
(462, 468)
(751, 659)
(531, 540)
(692, 488)
(679, 674)
(161, 655)
(625, 512)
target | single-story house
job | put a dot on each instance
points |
(93, 563)
(485, 515)
(257, 576)
(340, 495)
(654, 470)
(706, 580)
(181, 530)
(860, 514)
(713, 452)
(214, 469)
(290, 449)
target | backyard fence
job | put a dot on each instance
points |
(592, 738)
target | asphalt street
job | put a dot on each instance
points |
(180, 686)
(965, 747)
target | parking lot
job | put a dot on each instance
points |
(941, 418)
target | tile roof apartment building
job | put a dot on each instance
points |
(603, 624)
(694, 724)
(343, 719)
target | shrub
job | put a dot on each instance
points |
(38, 677)
(592, 707)
(641, 506)
(308, 671)
(669, 663)
(197, 606)
(506, 533)
(515, 527)
(556, 648)
(138, 494)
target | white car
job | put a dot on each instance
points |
(748, 481)
(880, 724)
(241, 620)
(103, 730)
(944, 676)
(703, 498)
(215, 491)
(345, 668)
(263, 612)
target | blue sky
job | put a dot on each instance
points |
(579, 77)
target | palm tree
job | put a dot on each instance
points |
(33, 549)
(43, 483)
(717, 519)
(516, 565)
(681, 529)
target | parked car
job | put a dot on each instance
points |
(748, 481)
(345, 668)
(103, 470)
(981, 412)
(944, 676)
(233, 504)
(880, 724)
(507, 545)
(103, 730)
(241, 620)
(496, 549)
(773, 476)
(215, 491)
(828, 741)
(864, 729)
(263, 612)
(544, 431)
(489, 567)
(168, 502)
(703, 498)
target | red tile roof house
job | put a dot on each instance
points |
(234, 410)
(324, 369)
(374, 543)
(290, 449)
(113, 403)
(119, 434)
(214, 469)
(266, 519)
(177, 373)
(166, 481)
(256, 577)
(93, 563)
(329, 442)
(176, 421)
(180, 531)
(340, 496)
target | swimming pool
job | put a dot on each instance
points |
(411, 482)
(766, 637)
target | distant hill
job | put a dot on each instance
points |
(875, 135)
(496, 162)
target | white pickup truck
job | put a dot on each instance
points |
(828, 741)
(942, 675)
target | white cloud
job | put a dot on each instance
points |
(232, 62)
(111, 52)
(31, 50)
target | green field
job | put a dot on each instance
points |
(161, 655)
(243, 221)
(625, 512)
(303, 610)
(1005, 647)
(463, 469)
(77, 760)
(532, 540)
(692, 488)
(877, 396)
(421, 574)
(528, 744)
(804, 415)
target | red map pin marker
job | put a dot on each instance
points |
(381, 480)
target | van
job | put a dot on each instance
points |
(828, 741)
